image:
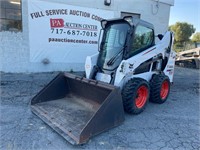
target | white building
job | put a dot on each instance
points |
(21, 45)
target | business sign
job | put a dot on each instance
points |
(63, 33)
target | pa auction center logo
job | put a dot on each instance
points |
(57, 23)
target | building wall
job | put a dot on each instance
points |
(14, 47)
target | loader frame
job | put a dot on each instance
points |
(80, 107)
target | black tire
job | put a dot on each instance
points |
(159, 88)
(131, 94)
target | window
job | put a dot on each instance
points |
(10, 15)
(143, 39)
(115, 38)
(112, 45)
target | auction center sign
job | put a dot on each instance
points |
(63, 33)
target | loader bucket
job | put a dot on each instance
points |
(78, 108)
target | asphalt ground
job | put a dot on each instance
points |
(172, 125)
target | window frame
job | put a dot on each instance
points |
(12, 20)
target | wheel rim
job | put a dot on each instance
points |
(142, 94)
(164, 90)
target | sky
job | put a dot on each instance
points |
(186, 11)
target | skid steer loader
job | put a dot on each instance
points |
(127, 72)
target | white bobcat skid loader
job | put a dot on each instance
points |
(129, 70)
(130, 59)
